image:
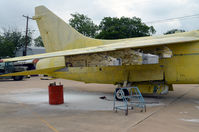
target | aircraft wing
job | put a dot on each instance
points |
(124, 44)
(33, 72)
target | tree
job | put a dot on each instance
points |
(38, 42)
(6, 48)
(11, 41)
(111, 28)
(172, 31)
(124, 27)
(29, 39)
(83, 24)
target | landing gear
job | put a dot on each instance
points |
(120, 92)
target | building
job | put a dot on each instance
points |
(31, 51)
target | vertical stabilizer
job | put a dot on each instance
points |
(58, 35)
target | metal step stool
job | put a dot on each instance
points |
(133, 99)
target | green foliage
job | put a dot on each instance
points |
(172, 31)
(111, 28)
(6, 48)
(83, 24)
(23, 40)
(38, 42)
(11, 41)
(124, 27)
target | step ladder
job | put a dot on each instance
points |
(133, 99)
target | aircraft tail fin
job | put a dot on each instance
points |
(58, 35)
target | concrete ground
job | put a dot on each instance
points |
(24, 107)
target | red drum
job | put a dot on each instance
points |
(56, 94)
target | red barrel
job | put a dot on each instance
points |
(56, 94)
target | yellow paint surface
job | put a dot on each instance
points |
(61, 40)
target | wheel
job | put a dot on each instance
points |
(119, 93)
(17, 78)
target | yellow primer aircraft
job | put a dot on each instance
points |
(152, 63)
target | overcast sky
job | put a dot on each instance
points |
(11, 11)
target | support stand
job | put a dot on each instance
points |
(133, 99)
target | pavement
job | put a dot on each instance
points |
(24, 107)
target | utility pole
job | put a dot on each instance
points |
(26, 39)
